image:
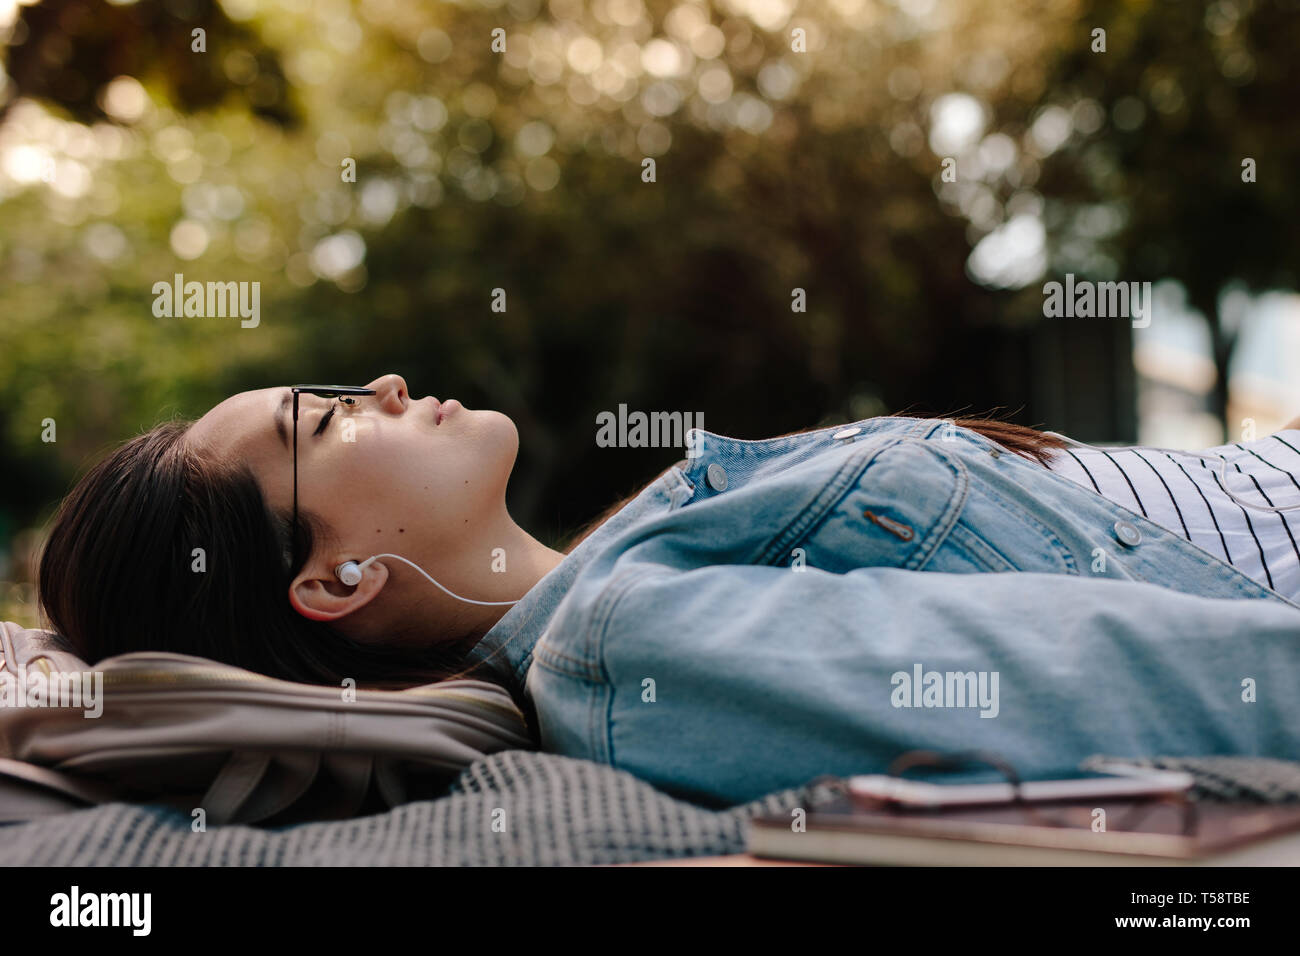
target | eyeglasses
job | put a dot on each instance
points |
(343, 392)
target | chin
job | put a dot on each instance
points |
(498, 437)
(501, 427)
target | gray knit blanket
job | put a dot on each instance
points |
(514, 808)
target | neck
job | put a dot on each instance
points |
(501, 563)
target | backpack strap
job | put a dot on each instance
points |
(254, 786)
(234, 785)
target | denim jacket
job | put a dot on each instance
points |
(768, 611)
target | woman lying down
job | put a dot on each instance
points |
(760, 613)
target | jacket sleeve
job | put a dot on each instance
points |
(727, 682)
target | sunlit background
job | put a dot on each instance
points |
(796, 145)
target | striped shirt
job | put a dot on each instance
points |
(1187, 496)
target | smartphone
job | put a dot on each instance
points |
(1105, 781)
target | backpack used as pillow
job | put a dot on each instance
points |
(241, 747)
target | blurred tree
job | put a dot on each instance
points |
(1190, 92)
(784, 161)
(479, 171)
(71, 49)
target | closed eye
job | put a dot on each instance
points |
(325, 420)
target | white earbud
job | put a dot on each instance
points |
(349, 573)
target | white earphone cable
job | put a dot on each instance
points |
(1223, 469)
(366, 563)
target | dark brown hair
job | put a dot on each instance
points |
(120, 572)
(1024, 441)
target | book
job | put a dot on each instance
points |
(1141, 831)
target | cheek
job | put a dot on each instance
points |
(442, 478)
(470, 473)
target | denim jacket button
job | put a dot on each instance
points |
(716, 477)
(1127, 534)
(845, 433)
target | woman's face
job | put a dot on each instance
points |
(386, 474)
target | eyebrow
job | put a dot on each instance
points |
(279, 414)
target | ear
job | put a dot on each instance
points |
(318, 595)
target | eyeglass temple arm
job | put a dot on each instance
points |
(293, 540)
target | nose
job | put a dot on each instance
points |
(391, 393)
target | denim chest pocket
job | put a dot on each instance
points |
(915, 506)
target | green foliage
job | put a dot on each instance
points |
(521, 171)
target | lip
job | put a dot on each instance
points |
(445, 409)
